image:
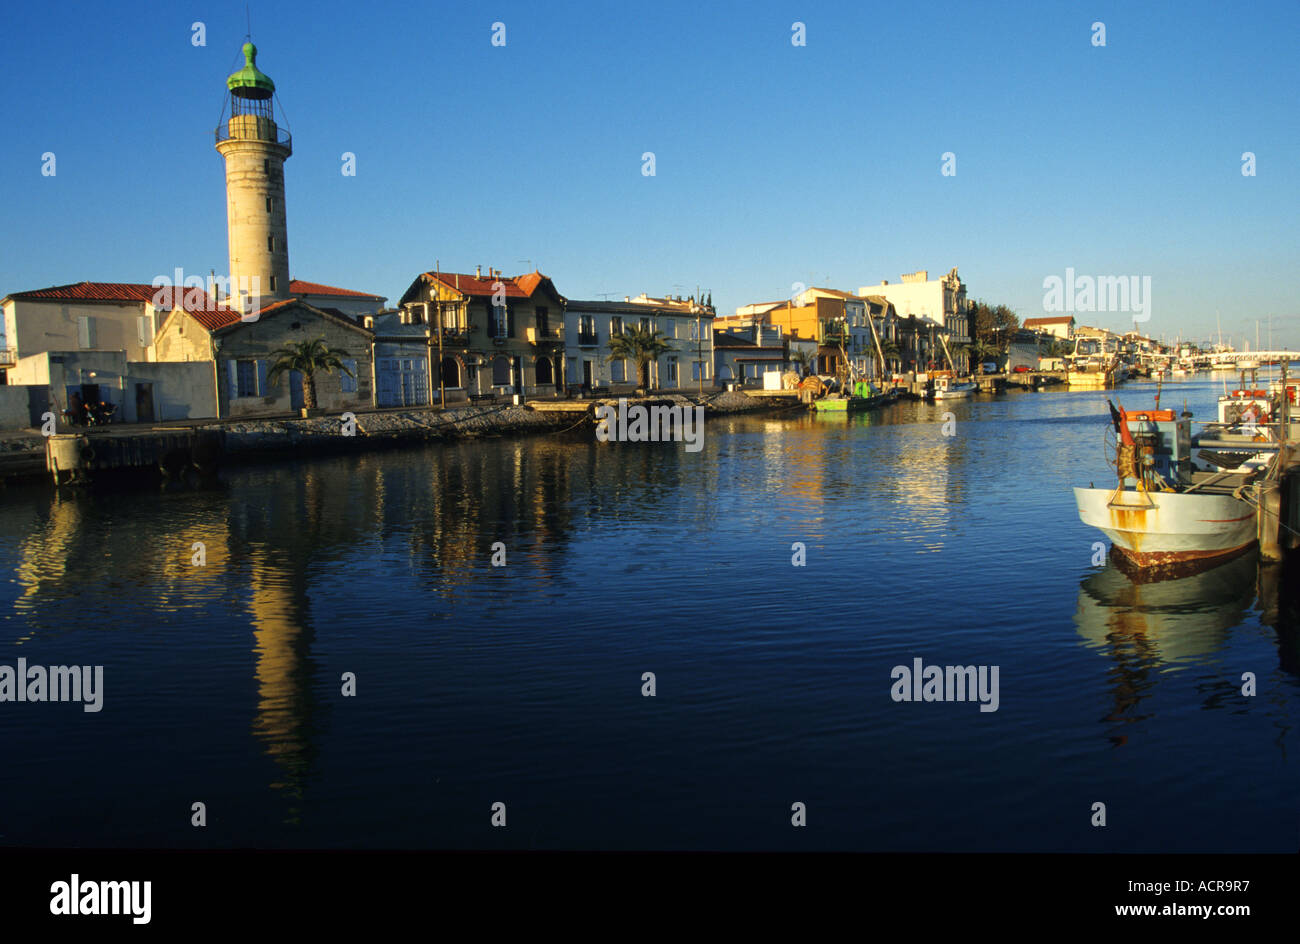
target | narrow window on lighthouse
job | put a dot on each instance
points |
(268, 204)
(270, 243)
(266, 168)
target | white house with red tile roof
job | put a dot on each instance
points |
(1059, 326)
(94, 316)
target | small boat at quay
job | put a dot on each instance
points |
(950, 388)
(947, 385)
(1165, 511)
(863, 397)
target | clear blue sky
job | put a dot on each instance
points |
(775, 164)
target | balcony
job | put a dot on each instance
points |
(455, 335)
(548, 337)
(252, 128)
(588, 340)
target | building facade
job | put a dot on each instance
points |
(939, 301)
(490, 334)
(685, 325)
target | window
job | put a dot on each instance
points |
(349, 384)
(695, 331)
(672, 328)
(500, 372)
(543, 318)
(500, 321)
(270, 243)
(699, 371)
(268, 204)
(245, 379)
(615, 326)
(273, 283)
(144, 326)
(645, 325)
(85, 331)
(618, 371)
(672, 368)
(266, 168)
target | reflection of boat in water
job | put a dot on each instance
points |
(1142, 627)
(1171, 620)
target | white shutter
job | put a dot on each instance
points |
(85, 331)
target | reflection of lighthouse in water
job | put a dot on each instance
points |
(1145, 626)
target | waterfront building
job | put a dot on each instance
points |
(140, 391)
(685, 325)
(746, 353)
(84, 316)
(489, 334)
(816, 315)
(241, 352)
(1058, 326)
(941, 302)
(402, 355)
(855, 333)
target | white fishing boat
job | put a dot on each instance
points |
(1164, 510)
(950, 388)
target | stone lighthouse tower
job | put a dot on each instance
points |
(255, 150)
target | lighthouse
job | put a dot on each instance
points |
(255, 149)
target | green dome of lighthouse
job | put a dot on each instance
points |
(250, 81)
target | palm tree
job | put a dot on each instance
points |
(307, 357)
(642, 345)
(982, 350)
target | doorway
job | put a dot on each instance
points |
(144, 403)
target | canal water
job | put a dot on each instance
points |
(523, 684)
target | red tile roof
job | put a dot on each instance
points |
(299, 287)
(93, 292)
(474, 286)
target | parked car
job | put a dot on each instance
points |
(989, 367)
(1020, 369)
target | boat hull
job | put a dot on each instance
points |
(1091, 380)
(1157, 529)
(955, 393)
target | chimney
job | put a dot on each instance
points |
(478, 272)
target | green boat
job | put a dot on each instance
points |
(864, 397)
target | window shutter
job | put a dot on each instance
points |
(232, 374)
(85, 331)
(261, 379)
(510, 322)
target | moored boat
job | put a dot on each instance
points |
(1164, 511)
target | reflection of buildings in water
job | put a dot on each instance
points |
(85, 543)
(1144, 626)
(467, 498)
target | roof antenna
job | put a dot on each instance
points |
(248, 18)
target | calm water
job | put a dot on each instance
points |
(522, 684)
